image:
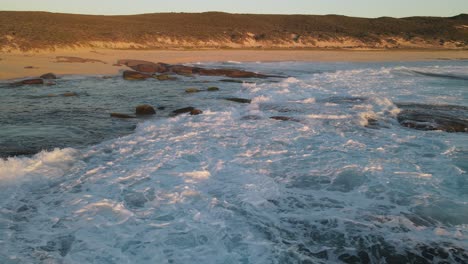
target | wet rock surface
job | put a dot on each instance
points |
(183, 110)
(145, 110)
(35, 81)
(159, 67)
(133, 75)
(284, 118)
(239, 100)
(49, 76)
(448, 118)
(196, 112)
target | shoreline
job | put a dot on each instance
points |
(12, 65)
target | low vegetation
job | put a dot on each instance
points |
(42, 30)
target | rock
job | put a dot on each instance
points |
(29, 67)
(183, 110)
(117, 65)
(165, 77)
(239, 100)
(135, 200)
(145, 110)
(118, 115)
(212, 89)
(183, 70)
(69, 94)
(448, 118)
(192, 90)
(284, 118)
(233, 73)
(231, 81)
(145, 66)
(151, 67)
(29, 82)
(133, 75)
(196, 112)
(49, 76)
(251, 117)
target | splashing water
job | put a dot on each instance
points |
(336, 180)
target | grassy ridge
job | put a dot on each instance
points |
(38, 30)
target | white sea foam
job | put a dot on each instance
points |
(45, 164)
(218, 188)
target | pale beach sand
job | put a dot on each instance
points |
(12, 65)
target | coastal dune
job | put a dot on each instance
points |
(32, 43)
(26, 31)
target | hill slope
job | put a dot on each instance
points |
(41, 30)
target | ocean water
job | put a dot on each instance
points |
(341, 181)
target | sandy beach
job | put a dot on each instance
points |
(102, 61)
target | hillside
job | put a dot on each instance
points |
(27, 31)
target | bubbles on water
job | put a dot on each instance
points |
(345, 183)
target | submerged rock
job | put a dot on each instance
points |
(49, 76)
(119, 115)
(231, 81)
(61, 244)
(251, 117)
(133, 75)
(239, 100)
(192, 90)
(69, 94)
(448, 118)
(284, 118)
(165, 77)
(212, 89)
(347, 180)
(233, 73)
(29, 82)
(145, 110)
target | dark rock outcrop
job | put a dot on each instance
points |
(192, 90)
(183, 70)
(284, 118)
(49, 76)
(133, 75)
(196, 112)
(165, 77)
(159, 67)
(29, 82)
(212, 89)
(448, 118)
(239, 100)
(151, 67)
(183, 110)
(145, 110)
